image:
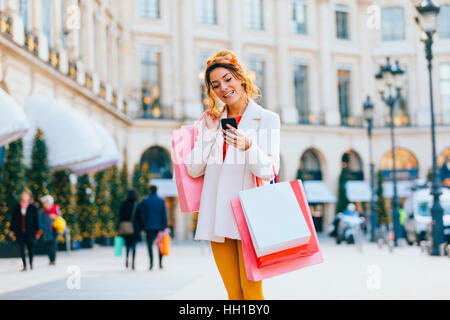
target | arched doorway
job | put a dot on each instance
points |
(353, 163)
(318, 193)
(406, 165)
(407, 168)
(159, 162)
(310, 168)
(443, 162)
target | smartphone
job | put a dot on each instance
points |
(231, 121)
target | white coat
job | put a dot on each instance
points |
(224, 179)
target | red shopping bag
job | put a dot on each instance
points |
(281, 262)
(189, 189)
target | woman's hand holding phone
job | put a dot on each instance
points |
(236, 138)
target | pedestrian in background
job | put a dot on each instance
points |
(130, 225)
(50, 211)
(154, 212)
(25, 226)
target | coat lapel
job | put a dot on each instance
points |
(249, 124)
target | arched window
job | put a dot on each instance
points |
(406, 165)
(352, 161)
(310, 166)
(159, 163)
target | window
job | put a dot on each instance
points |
(342, 28)
(148, 9)
(257, 65)
(299, 16)
(24, 11)
(392, 24)
(344, 95)
(151, 82)
(301, 92)
(309, 166)
(254, 15)
(206, 13)
(444, 22)
(47, 21)
(444, 77)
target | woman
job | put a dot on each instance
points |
(229, 160)
(50, 212)
(130, 212)
(25, 226)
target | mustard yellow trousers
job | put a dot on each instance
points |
(230, 262)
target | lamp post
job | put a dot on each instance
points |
(368, 116)
(390, 80)
(427, 24)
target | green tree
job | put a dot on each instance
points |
(105, 223)
(38, 175)
(383, 216)
(12, 184)
(141, 179)
(85, 207)
(65, 198)
(342, 200)
(115, 194)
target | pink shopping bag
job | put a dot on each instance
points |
(254, 270)
(189, 189)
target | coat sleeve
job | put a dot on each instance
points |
(15, 221)
(205, 150)
(264, 154)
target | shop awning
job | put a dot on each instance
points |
(70, 137)
(109, 155)
(318, 192)
(13, 122)
(358, 191)
(403, 189)
(166, 187)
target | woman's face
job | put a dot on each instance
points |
(25, 197)
(226, 86)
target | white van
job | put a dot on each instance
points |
(418, 214)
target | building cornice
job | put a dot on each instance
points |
(45, 68)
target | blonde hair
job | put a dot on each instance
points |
(228, 60)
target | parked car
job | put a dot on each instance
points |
(418, 211)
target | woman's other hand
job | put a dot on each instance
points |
(212, 121)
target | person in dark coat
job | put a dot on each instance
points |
(154, 212)
(25, 226)
(125, 215)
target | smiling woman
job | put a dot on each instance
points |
(229, 159)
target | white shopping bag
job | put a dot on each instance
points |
(275, 220)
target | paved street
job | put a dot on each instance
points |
(190, 273)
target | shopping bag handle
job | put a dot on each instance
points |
(256, 179)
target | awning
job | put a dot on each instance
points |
(69, 136)
(109, 155)
(166, 187)
(318, 192)
(403, 188)
(13, 122)
(358, 191)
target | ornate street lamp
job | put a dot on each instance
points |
(427, 24)
(368, 116)
(389, 82)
